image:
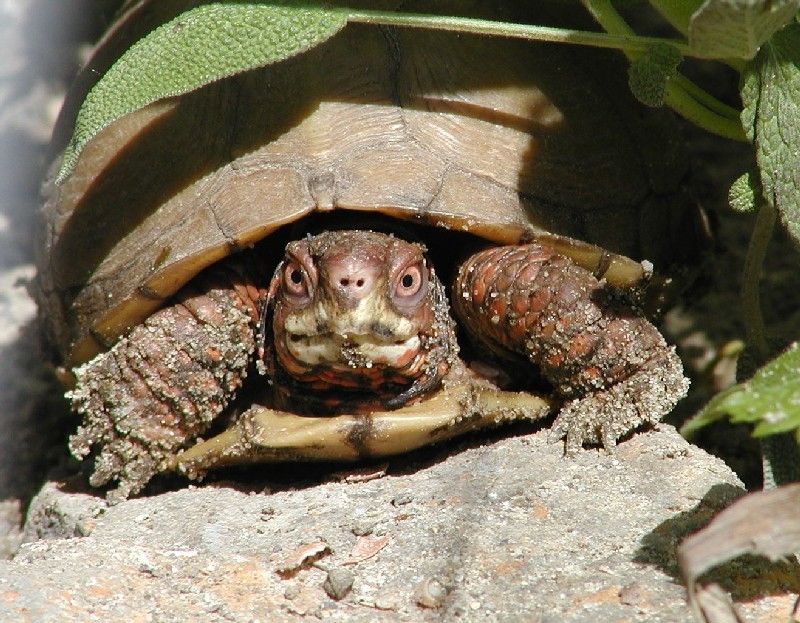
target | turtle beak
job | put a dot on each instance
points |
(359, 307)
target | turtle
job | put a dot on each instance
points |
(392, 239)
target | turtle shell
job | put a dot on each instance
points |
(505, 139)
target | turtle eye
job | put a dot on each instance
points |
(295, 280)
(410, 281)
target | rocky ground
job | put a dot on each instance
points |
(501, 529)
(495, 528)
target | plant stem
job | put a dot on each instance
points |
(625, 42)
(683, 96)
(680, 100)
(606, 15)
(753, 263)
(709, 101)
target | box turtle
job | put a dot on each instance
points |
(276, 252)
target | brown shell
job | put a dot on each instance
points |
(506, 139)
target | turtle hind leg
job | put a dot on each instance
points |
(161, 386)
(267, 435)
(611, 367)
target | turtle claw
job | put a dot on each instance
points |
(609, 441)
(577, 433)
(120, 459)
(605, 416)
(127, 459)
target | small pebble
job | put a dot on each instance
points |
(430, 593)
(267, 513)
(363, 527)
(84, 527)
(403, 498)
(292, 591)
(386, 601)
(635, 594)
(338, 583)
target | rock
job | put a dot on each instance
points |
(338, 583)
(508, 530)
(430, 593)
(10, 533)
(54, 515)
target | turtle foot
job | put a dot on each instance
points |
(130, 465)
(605, 416)
(160, 387)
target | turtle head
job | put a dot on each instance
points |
(358, 311)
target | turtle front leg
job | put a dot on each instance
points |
(611, 367)
(161, 386)
(265, 435)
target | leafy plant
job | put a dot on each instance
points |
(770, 400)
(758, 38)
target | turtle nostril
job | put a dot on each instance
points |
(346, 282)
(352, 279)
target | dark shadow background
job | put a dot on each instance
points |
(41, 47)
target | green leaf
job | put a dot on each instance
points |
(770, 92)
(770, 399)
(677, 12)
(648, 74)
(196, 48)
(744, 192)
(737, 28)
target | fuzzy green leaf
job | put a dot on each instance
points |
(677, 12)
(737, 28)
(770, 400)
(648, 74)
(196, 48)
(743, 193)
(771, 117)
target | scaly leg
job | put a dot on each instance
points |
(162, 385)
(611, 367)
